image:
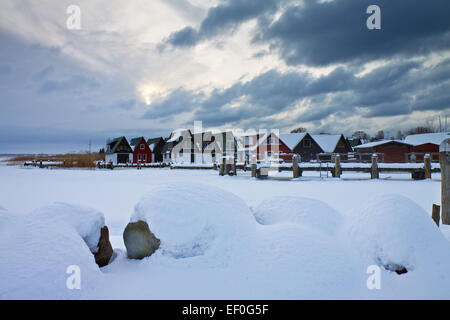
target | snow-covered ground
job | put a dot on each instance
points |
(222, 237)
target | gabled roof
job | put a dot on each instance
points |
(379, 143)
(153, 142)
(354, 142)
(176, 134)
(292, 139)
(114, 143)
(135, 141)
(433, 138)
(327, 142)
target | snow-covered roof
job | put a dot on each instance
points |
(176, 134)
(378, 143)
(434, 138)
(327, 142)
(292, 139)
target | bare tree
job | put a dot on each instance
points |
(299, 130)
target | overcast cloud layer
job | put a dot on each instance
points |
(146, 67)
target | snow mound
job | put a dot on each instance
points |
(86, 221)
(295, 262)
(395, 231)
(299, 210)
(189, 218)
(36, 250)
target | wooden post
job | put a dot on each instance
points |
(436, 214)
(253, 170)
(228, 166)
(337, 166)
(234, 167)
(253, 165)
(215, 165)
(444, 158)
(295, 169)
(222, 167)
(427, 166)
(374, 173)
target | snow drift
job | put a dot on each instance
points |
(393, 231)
(236, 257)
(191, 218)
(299, 210)
(37, 248)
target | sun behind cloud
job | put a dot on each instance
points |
(149, 92)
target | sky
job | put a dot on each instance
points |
(144, 68)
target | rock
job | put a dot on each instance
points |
(397, 268)
(401, 271)
(105, 250)
(139, 240)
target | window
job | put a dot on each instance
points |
(248, 140)
(145, 158)
(142, 146)
(139, 157)
(272, 141)
(269, 153)
(307, 143)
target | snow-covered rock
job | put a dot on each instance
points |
(393, 229)
(86, 221)
(299, 210)
(191, 218)
(36, 252)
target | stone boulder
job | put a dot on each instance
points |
(139, 240)
(105, 250)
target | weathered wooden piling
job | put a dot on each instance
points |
(427, 166)
(374, 172)
(295, 168)
(444, 161)
(435, 214)
(337, 166)
(222, 167)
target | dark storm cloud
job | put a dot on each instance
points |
(335, 32)
(332, 32)
(434, 98)
(397, 88)
(223, 18)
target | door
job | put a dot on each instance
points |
(123, 158)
